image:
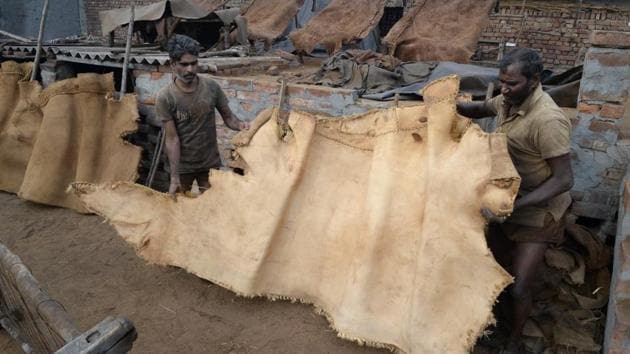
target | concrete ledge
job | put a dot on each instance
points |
(610, 39)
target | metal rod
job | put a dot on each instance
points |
(155, 161)
(15, 36)
(123, 84)
(490, 91)
(38, 53)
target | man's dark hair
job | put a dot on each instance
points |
(529, 59)
(178, 45)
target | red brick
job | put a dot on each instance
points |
(266, 86)
(600, 127)
(295, 90)
(610, 110)
(589, 108)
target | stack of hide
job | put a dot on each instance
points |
(70, 131)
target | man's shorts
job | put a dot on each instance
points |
(186, 179)
(551, 232)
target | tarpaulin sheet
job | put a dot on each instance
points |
(71, 131)
(191, 9)
(439, 30)
(268, 19)
(377, 81)
(342, 21)
(366, 217)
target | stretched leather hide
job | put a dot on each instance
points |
(375, 219)
(439, 30)
(342, 21)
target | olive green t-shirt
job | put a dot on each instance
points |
(536, 130)
(193, 114)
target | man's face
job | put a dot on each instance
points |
(186, 68)
(515, 87)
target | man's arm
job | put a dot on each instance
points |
(226, 113)
(561, 180)
(475, 110)
(171, 143)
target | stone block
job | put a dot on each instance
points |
(610, 39)
(590, 210)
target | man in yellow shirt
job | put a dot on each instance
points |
(538, 135)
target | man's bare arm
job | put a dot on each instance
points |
(474, 110)
(230, 120)
(173, 152)
(561, 180)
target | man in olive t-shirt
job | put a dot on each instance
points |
(186, 108)
(538, 138)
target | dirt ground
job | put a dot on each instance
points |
(85, 265)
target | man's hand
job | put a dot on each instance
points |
(491, 217)
(176, 185)
(243, 125)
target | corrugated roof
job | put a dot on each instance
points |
(138, 55)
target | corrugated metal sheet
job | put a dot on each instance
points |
(152, 57)
(138, 55)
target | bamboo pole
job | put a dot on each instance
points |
(123, 84)
(15, 36)
(38, 53)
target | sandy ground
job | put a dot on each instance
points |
(85, 265)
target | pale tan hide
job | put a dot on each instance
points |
(375, 219)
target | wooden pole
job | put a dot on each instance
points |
(523, 17)
(38, 53)
(123, 84)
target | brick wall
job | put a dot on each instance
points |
(557, 29)
(601, 132)
(249, 96)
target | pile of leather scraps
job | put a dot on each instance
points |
(369, 72)
(569, 311)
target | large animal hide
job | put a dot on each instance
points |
(375, 219)
(268, 19)
(70, 131)
(342, 21)
(439, 30)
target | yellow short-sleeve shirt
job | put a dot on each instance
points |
(536, 130)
